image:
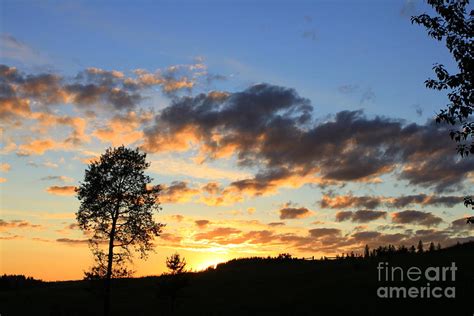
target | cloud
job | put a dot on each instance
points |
(178, 218)
(3, 180)
(123, 129)
(366, 235)
(72, 242)
(370, 202)
(269, 127)
(12, 48)
(36, 147)
(294, 213)
(182, 167)
(461, 225)
(321, 232)
(17, 223)
(62, 190)
(349, 201)
(202, 223)
(77, 124)
(177, 192)
(416, 217)
(92, 86)
(360, 216)
(219, 234)
(343, 215)
(276, 224)
(5, 167)
(364, 216)
(171, 238)
(57, 178)
(425, 200)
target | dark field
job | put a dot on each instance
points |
(258, 287)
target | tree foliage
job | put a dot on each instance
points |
(117, 204)
(176, 264)
(454, 25)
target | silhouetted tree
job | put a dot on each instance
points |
(419, 247)
(176, 264)
(455, 25)
(366, 251)
(432, 247)
(412, 249)
(438, 247)
(402, 249)
(284, 256)
(116, 210)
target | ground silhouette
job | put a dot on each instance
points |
(262, 286)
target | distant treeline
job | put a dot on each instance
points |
(11, 282)
(368, 253)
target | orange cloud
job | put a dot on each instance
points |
(123, 129)
(17, 224)
(177, 192)
(62, 190)
(37, 147)
(4, 167)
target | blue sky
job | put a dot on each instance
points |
(369, 45)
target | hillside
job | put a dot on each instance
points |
(259, 286)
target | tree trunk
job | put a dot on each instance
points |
(108, 276)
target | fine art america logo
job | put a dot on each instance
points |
(430, 278)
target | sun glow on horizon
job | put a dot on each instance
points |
(209, 263)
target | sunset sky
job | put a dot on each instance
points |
(297, 126)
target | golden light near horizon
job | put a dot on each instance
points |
(208, 263)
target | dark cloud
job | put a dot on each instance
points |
(425, 200)
(364, 216)
(276, 224)
(270, 127)
(366, 235)
(351, 201)
(343, 216)
(72, 242)
(461, 225)
(202, 223)
(320, 232)
(293, 212)
(390, 227)
(416, 217)
(177, 192)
